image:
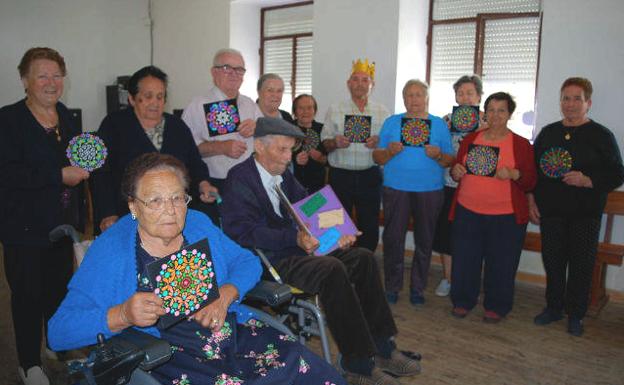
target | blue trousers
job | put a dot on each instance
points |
(492, 243)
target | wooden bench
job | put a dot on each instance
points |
(609, 253)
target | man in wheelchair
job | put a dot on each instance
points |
(221, 343)
(347, 280)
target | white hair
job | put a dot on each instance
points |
(225, 51)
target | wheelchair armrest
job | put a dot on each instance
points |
(270, 293)
(157, 351)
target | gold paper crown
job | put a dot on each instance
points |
(363, 66)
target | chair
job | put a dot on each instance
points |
(308, 318)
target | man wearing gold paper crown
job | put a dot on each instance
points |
(350, 134)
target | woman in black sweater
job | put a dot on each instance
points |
(138, 130)
(579, 163)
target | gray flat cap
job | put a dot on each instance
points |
(276, 126)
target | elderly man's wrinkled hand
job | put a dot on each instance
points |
(307, 242)
(346, 241)
(342, 141)
(247, 128)
(142, 309)
(234, 148)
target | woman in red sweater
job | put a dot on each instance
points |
(495, 169)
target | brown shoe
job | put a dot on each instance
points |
(377, 377)
(398, 364)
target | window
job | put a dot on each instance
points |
(286, 47)
(496, 39)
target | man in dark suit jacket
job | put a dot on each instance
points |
(347, 281)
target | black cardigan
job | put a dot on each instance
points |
(595, 153)
(125, 140)
(31, 181)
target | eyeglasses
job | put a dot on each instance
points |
(158, 203)
(228, 69)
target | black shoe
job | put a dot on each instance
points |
(547, 316)
(575, 326)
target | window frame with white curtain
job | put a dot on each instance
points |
(296, 38)
(510, 10)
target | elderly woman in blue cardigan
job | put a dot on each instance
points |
(219, 344)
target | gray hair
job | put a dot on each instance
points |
(265, 77)
(416, 82)
(225, 51)
(474, 79)
(267, 139)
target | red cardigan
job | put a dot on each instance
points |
(525, 162)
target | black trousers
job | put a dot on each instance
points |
(348, 283)
(362, 190)
(569, 244)
(38, 278)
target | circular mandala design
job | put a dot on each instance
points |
(86, 151)
(465, 118)
(357, 129)
(222, 118)
(311, 140)
(416, 132)
(482, 160)
(555, 162)
(184, 282)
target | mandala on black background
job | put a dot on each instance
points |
(465, 119)
(555, 162)
(415, 132)
(86, 151)
(357, 128)
(482, 160)
(222, 117)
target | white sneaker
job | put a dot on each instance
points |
(444, 288)
(34, 376)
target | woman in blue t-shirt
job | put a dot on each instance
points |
(414, 149)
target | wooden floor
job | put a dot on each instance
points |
(463, 352)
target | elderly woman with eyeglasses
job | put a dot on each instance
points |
(219, 344)
(145, 127)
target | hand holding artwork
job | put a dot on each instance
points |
(432, 151)
(342, 141)
(372, 141)
(247, 128)
(458, 171)
(302, 158)
(213, 315)
(142, 309)
(307, 242)
(347, 240)
(578, 179)
(73, 175)
(234, 148)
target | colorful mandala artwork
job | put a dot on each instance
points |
(185, 281)
(465, 119)
(357, 128)
(222, 117)
(86, 151)
(555, 162)
(482, 160)
(311, 141)
(415, 132)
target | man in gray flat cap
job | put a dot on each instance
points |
(347, 280)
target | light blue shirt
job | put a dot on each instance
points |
(411, 169)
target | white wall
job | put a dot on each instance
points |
(186, 36)
(98, 39)
(345, 30)
(412, 46)
(245, 37)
